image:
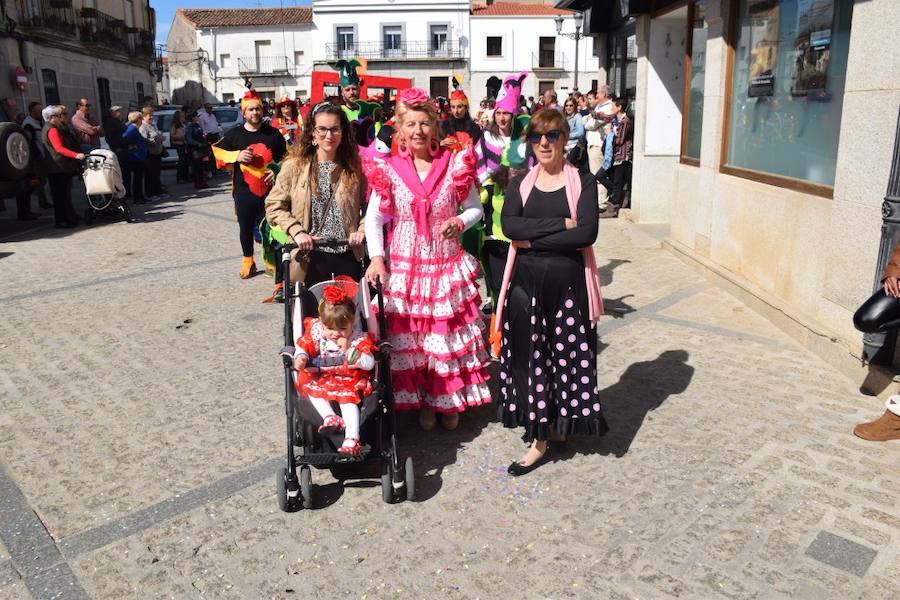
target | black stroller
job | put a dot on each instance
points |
(306, 447)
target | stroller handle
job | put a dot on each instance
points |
(323, 243)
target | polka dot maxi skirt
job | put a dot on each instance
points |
(548, 366)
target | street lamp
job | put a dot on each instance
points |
(577, 36)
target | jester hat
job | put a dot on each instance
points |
(510, 90)
(347, 70)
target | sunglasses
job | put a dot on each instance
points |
(552, 136)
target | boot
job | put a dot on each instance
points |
(248, 267)
(886, 427)
(611, 211)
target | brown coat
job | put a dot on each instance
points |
(289, 205)
(892, 268)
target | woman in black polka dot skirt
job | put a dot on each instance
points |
(548, 364)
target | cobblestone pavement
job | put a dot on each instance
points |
(141, 424)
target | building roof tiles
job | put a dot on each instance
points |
(245, 17)
(517, 9)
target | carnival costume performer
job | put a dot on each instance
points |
(493, 177)
(287, 120)
(253, 152)
(430, 298)
(319, 193)
(332, 336)
(550, 298)
(459, 120)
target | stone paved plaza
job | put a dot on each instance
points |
(141, 425)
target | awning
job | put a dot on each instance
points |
(603, 16)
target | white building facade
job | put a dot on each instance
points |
(424, 40)
(509, 37)
(211, 52)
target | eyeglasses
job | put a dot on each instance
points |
(552, 136)
(324, 131)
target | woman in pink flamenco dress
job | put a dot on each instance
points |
(426, 197)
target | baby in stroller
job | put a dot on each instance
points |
(334, 361)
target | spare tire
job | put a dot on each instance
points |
(15, 152)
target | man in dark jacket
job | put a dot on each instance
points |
(114, 126)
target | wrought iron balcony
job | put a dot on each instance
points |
(144, 45)
(56, 15)
(549, 60)
(263, 65)
(100, 29)
(423, 50)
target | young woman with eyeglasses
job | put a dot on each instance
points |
(550, 298)
(319, 194)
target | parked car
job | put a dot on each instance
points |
(228, 117)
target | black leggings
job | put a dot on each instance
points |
(878, 314)
(249, 211)
(494, 253)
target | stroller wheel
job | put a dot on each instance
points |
(89, 215)
(285, 502)
(126, 211)
(306, 486)
(409, 476)
(387, 487)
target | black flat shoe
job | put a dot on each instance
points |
(516, 469)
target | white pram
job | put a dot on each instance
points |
(103, 185)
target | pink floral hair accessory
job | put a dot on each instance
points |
(411, 96)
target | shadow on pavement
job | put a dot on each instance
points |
(616, 307)
(642, 388)
(606, 271)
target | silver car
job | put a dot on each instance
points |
(228, 117)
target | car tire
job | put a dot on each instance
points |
(15, 152)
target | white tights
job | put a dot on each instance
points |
(349, 412)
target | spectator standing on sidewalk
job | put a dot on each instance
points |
(250, 150)
(197, 150)
(154, 137)
(33, 125)
(87, 129)
(63, 162)
(114, 128)
(178, 141)
(597, 125)
(135, 156)
(620, 172)
(212, 131)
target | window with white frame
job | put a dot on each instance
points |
(440, 39)
(392, 38)
(345, 39)
(224, 61)
(298, 58)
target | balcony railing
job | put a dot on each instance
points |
(263, 65)
(549, 60)
(144, 45)
(100, 29)
(57, 15)
(396, 50)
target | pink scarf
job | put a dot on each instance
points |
(591, 278)
(424, 192)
